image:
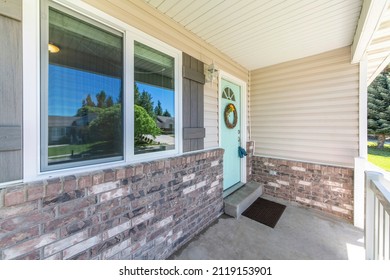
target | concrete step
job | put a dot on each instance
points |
(240, 200)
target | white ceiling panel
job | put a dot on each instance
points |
(378, 53)
(259, 33)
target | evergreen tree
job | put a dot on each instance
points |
(109, 102)
(379, 108)
(137, 100)
(166, 113)
(101, 99)
(147, 103)
(158, 111)
(144, 100)
(88, 101)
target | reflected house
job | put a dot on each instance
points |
(69, 130)
(166, 124)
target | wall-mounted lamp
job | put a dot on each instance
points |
(53, 48)
(211, 73)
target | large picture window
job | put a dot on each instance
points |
(97, 104)
(83, 92)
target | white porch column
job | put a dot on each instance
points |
(360, 162)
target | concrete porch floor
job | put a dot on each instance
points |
(301, 234)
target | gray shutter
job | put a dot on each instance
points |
(193, 104)
(10, 94)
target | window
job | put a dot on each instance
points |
(89, 112)
(154, 100)
(81, 93)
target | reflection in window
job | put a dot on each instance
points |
(84, 92)
(154, 100)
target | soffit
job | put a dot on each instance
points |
(378, 52)
(259, 33)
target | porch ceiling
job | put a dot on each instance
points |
(378, 52)
(259, 33)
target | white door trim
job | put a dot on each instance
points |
(243, 114)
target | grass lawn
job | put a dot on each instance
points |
(67, 149)
(380, 158)
(95, 148)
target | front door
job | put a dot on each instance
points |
(230, 122)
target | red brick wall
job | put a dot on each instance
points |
(142, 211)
(323, 187)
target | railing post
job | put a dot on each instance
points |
(359, 192)
(369, 229)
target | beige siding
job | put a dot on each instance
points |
(11, 9)
(149, 20)
(307, 109)
(211, 115)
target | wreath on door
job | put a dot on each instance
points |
(229, 109)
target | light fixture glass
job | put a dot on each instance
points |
(211, 73)
(53, 48)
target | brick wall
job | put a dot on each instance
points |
(142, 211)
(327, 188)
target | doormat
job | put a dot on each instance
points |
(265, 212)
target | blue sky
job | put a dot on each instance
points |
(165, 96)
(69, 87)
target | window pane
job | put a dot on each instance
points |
(154, 100)
(84, 96)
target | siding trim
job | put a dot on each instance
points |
(369, 21)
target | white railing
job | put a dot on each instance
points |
(377, 222)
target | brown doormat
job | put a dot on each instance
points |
(265, 212)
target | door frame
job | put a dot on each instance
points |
(243, 115)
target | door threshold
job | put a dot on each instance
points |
(232, 189)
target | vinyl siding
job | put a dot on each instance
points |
(211, 115)
(149, 20)
(307, 109)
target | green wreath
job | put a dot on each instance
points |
(230, 108)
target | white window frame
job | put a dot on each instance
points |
(31, 90)
(44, 93)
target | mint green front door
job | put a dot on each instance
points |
(230, 122)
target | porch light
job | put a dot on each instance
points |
(53, 48)
(211, 73)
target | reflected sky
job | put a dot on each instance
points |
(166, 97)
(69, 87)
